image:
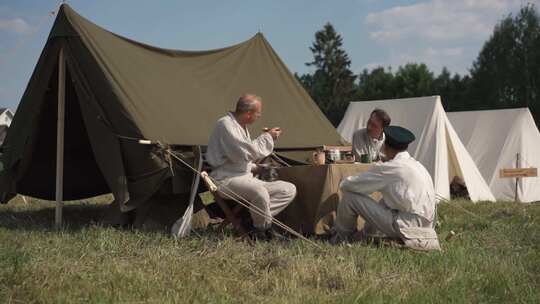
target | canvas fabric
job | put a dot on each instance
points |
(119, 90)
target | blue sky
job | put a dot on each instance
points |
(375, 32)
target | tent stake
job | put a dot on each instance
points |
(60, 139)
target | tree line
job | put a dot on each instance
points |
(505, 74)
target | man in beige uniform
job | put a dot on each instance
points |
(407, 208)
(231, 153)
(370, 140)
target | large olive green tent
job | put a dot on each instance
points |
(117, 88)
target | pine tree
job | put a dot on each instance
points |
(332, 84)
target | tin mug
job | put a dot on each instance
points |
(365, 159)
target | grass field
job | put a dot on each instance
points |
(494, 258)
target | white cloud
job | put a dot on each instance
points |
(440, 19)
(438, 32)
(16, 25)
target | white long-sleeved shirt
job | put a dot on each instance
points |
(404, 183)
(362, 143)
(231, 152)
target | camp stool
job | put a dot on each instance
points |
(232, 216)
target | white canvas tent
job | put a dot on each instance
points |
(6, 116)
(437, 146)
(494, 138)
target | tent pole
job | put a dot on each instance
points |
(518, 160)
(60, 139)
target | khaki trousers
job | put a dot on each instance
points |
(270, 197)
(415, 231)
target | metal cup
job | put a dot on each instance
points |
(365, 159)
(334, 155)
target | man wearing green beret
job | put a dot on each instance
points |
(407, 209)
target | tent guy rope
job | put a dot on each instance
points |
(233, 195)
(441, 198)
(247, 204)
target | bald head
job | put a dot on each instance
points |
(247, 103)
(248, 108)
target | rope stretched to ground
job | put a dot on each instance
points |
(245, 203)
(441, 198)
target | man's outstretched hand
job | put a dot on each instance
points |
(275, 132)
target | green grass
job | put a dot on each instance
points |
(495, 257)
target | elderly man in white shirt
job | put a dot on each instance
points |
(231, 152)
(370, 140)
(407, 210)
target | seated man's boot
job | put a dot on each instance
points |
(338, 238)
(258, 235)
(268, 234)
(274, 234)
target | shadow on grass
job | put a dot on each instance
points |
(39, 216)
(75, 217)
